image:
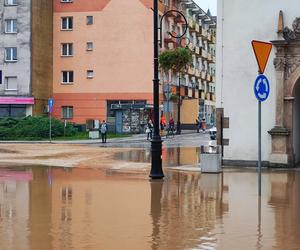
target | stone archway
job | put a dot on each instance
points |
(285, 132)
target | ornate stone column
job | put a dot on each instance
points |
(279, 132)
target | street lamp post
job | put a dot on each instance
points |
(178, 131)
(156, 142)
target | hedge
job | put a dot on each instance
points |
(30, 127)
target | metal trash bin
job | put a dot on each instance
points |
(211, 159)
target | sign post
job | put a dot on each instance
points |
(50, 106)
(262, 52)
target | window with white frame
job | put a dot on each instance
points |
(89, 20)
(67, 112)
(67, 49)
(11, 83)
(66, 1)
(67, 77)
(89, 46)
(67, 23)
(11, 54)
(90, 74)
(11, 26)
(10, 2)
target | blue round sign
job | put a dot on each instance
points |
(262, 88)
(50, 102)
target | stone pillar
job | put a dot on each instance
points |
(279, 133)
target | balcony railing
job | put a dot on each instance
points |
(191, 71)
(213, 78)
(203, 53)
(213, 97)
(202, 32)
(214, 39)
(208, 77)
(209, 37)
(207, 96)
(197, 27)
(192, 25)
(209, 58)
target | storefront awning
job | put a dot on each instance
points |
(16, 100)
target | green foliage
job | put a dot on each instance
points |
(175, 59)
(33, 128)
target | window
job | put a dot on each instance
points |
(66, 1)
(11, 54)
(11, 83)
(0, 76)
(67, 112)
(11, 26)
(89, 46)
(67, 23)
(67, 77)
(90, 74)
(10, 2)
(89, 20)
(67, 49)
(12, 111)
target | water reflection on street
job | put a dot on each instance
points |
(176, 156)
(54, 208)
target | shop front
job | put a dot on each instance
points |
(16, 106)
(128, 117)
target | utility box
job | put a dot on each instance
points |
(210, 159)
(94, 134)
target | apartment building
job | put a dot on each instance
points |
(103, 62)
(25, 57)
(197, 82)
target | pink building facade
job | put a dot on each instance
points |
(103, 55)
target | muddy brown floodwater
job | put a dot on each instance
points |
(75, 208)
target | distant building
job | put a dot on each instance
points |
(239, 23)
(25, 57)
(197, 82)
(103, 62)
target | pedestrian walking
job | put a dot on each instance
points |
(171, 127)
(103, 131)
(203, 125)
(149, 129)
(162, 124)
(198, 124)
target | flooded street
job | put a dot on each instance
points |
(74, 208)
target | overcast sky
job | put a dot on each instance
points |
(205, 4)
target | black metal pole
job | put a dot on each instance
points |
(156, 143)
(178, 132)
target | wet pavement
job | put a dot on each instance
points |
(74, 208)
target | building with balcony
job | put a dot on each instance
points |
(197, 82)
(25, 57)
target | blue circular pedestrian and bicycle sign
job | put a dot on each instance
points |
(262, 88)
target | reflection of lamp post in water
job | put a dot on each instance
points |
(156, 143)
(155, 211)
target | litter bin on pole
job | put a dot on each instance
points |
(211, 159)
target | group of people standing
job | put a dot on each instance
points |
(163, 126)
